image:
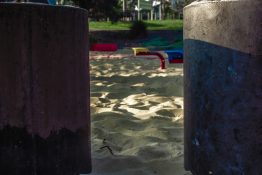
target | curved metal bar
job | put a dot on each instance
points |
(159, 55)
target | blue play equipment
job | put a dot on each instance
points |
(174, 56)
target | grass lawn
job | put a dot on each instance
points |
(152, 25)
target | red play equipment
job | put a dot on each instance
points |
(176, 61)
(159, 55)
(101, 47)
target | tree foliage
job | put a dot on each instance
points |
(101, 9)
(138, 29)
(188, 1)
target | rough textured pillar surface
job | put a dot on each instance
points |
(223, 87)
(44, 90)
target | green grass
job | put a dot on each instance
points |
(165, 25)
(152, 25)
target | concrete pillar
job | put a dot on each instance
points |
(223, 87)
(44, 90)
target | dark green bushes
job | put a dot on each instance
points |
(138, 29)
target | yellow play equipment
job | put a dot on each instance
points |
(142, 51)
(139, 50)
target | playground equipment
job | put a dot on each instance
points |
(159, 55)
(173, 56)
(104, 47)
(141, 51)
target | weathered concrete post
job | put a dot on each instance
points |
(44, 90)
(223, 87)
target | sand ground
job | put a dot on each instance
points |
(136, 116)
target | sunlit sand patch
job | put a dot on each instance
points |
(179, 70)
(140, 114)
(179, 101)
(138, 67)
(137, 111)
(107, 65)
(98, 74)
(106, 71)
(104, 94)
(158, 75)
(122, 67)
(166, 74)
(109, 75)
(126, 74)
(138, 85)
(165, 105)
(110, 85)
(100, 84)
(156, 98)
(178, 115)
(101, 110)
(131, 100)
(93, 101)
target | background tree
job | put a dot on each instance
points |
(178, 6)
(188, 1)
(101, 9)
(167, 10)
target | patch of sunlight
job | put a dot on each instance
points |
(138, 85)
(100, 84)
(179, 101)
(111, 84)
(104, 94)
(141, 114)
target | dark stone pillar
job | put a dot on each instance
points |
(44, 90)
(223, 87)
